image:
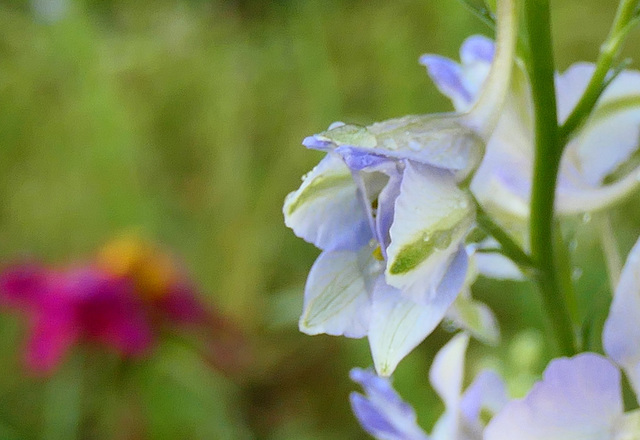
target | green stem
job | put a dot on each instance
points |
(546, 165)
(623, 22)
(508, 246)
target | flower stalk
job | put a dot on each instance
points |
(548, 152)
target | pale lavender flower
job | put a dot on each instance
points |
(621, 334)
(385, 207)
(384, 415)
(581, 397)
(578, 398)
(590, 176)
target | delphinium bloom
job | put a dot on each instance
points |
(384, 415)
(385, 207)
(120, 301)
(581, 397)
(591, 177)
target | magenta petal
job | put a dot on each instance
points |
(23, 285)
(111, 314)
(182, 306)
(54, 332)
(129, 333)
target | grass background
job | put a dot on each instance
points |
(182, 121)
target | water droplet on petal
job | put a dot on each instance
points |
(576, 274)
(442, 240)
(573, 245)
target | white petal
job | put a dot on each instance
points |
(577, 399)
(474, 317)
(502, 183)
(432, 218)
(446, 375)
(439, 140)
(495, 265)
(571, 201)
(570, 86)
(608, 140)
(486, 391)
(398, 324)
(336, 301)
(325, 210)
(621, 335)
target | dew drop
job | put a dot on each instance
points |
(576, 274)
(573, 245)
(586, 217)
(390, 144)
(442, 240)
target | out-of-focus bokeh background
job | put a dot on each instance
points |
(181, 121)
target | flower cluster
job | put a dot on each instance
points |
(387, 206)
(392, 205)
(577, 398)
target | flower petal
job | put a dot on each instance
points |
(570, 85)
(607, 141)
(54, 331)
(622, 328)
(603, 146)
(382, 413)
(109, 312)
(474, 317)
(446, 375)
(440, 140)
(23, 285)
(486, 391)
(326, 210)
(336, 301)
(477, 49)
(462, 83)
(495, 265)
(578, 398)
(399, 324)
(432, 218)
(378, 179)
(448, 76)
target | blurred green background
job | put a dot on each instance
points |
(182, 120)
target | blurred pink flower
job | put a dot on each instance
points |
(67, 306)
(122, 300)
